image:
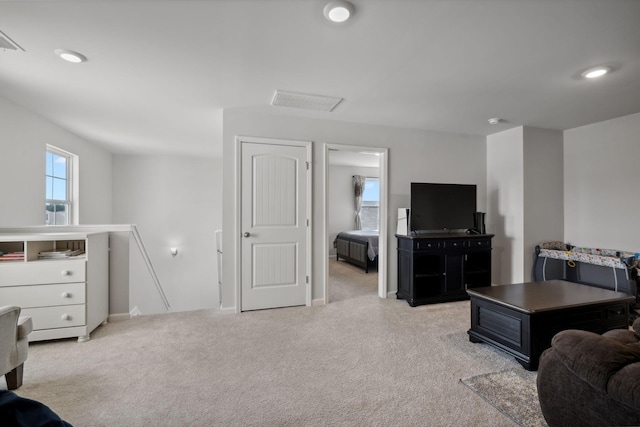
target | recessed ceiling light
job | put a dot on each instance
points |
(594, 73)
(338, 11)
(70, 56)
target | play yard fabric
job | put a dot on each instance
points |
(604, 257)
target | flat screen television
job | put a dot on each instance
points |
(442, 207)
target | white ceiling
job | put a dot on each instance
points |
(160, 73)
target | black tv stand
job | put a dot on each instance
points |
(435, 268)
(427, 233)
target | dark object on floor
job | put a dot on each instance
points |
(16, 411)
(588, 379)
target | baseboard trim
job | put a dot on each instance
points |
(319, 301)
(228, 310)
(118, 317)
(391, 294)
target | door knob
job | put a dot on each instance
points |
(246, 234)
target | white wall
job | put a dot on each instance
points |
(543, 191)
(524, 181)
(413, 156)
(341, 210)
(505, 214)
(23, 140)
(601, 176)
(175, 202)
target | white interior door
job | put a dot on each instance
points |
(274, 225)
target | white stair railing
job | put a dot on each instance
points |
(145, 255)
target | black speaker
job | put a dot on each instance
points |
(478, 222)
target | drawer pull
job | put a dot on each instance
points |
(65, 272)
(65, 317)
(66, 295)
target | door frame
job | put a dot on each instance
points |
(384, 215)
(239, 140)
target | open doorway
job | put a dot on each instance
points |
(355, 222)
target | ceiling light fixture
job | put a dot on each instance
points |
(594, 73)
(494, 120)
(70, 56)
(338, 11)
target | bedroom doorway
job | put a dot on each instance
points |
(348, 253)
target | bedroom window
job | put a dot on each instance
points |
(59, 186)
(370, 204)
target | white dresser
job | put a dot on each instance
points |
(65, 295)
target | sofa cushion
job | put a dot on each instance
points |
(623, 336)
(592, 357)
(622, 386)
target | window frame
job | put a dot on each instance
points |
(367, 203)
(70, 184)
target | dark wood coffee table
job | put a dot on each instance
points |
(522, 318)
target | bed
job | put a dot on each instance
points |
(358, 247)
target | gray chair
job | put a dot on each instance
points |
(14, 344)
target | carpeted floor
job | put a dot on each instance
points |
(358, 360)
(347, 281)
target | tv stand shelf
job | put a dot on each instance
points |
(440, 267)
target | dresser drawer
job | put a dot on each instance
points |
(43, 295)
(56, 317)
(455, 244)
(42, 272)
(424, 245)
(480, 243)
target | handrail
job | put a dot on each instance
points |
(147, 260)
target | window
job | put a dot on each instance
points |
(59, 187)
(370, 217)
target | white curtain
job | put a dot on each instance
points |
(358, 189)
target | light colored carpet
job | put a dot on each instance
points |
(346, 281)
(357, 361)
(513, 392)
